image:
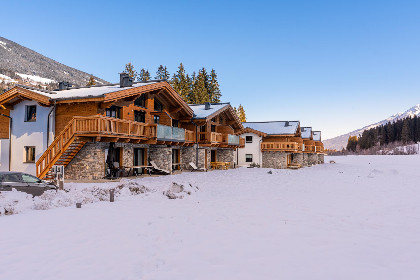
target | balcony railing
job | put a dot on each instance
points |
(319, 149)
(280, 146)
(175, 134)
(210, 137)
(309, 149)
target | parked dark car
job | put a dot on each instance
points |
(24, 182)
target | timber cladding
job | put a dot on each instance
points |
(64, 113)
(4, 124)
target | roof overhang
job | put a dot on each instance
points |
(18, 94)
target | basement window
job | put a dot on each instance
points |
(248, 158)
(29, 154)
(30, 113)
(248, 139)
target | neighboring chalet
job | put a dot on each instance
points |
(271, 144)
(319, 146)
(131, 123)
(280, 144)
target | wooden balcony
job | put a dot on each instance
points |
(319, 149)
(210, 138)
(174, 135)
(310, 149)
(280, 147)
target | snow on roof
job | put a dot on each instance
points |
(86, 92)
(317, 135)
(201, 113)
(275, 128)
(306, 132)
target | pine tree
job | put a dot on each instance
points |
(144, 75)
(91, 81)
(181, 83)
(214, 90)
(352, 143)
(129, 69)
(199, 90)
(162, 73)
(405, 132)
(241, 113)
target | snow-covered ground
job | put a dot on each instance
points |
(35, 78)
(356, 219)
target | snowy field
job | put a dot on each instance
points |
(356, 219)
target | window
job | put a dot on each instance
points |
(203, 128)
(158, 106)
(248, 139)
(141, 101)
(29, 154)
(30, 179)
(113, 112)
(140, 116)
(213, 128)
(248, 158)
(175, 123)
(30, 114)
(156, 119)
(221, 120)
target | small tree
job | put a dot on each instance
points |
(144, 75)
(129, 69)
(241, 113)
(162, 73)
(91, 81)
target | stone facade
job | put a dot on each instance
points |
(320, 158)
(188, 154)
(305, 161)
(89, 163)
(312, 159)
(225, 155)
(161, 155)
(276, 160)
(297, 158)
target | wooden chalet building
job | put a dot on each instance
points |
(132, 123)
(319, 146)
(310, 157)
(276, 144)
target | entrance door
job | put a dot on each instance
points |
(289, 159)
(175, 159)
(213, 156)
(138, 160)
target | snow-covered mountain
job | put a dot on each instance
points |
(340, 142)
(20, 64)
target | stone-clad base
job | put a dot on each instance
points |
(305, 157)
(321, 158)
(187, 155)
(297, 158)
(276, 160)
(225, 155)
(312, 159)
(162, 156)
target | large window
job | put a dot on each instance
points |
(30, 113)
(248, 139)
(248, 157)
(113, 112)
(156, 119)
(140, 116)
(29, 152)
(141, 101)
(158, 106)
(175, 123)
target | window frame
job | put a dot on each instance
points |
(142, 115)
(156, 119)
(246, 139)
(247, 158)
(26, 150)
(115, 109)
(157, 106)
(27, 111)
(142, 101)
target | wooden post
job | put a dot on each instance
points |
(111, 195)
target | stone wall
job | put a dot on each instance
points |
(89, 163)
(320, 158)
(187, 156)
(162, 156)
(225, 155)
(274, 160)
(312, 159)
(297, 158)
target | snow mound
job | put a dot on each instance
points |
(178, 191)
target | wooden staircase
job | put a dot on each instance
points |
(79, 130)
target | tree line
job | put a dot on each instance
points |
(197, 88)
(404, 131)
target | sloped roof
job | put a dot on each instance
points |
(317, 135)
(201, 113)
(274, 127)
(306, 132)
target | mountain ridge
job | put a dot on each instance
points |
(340, 142)
(20, 62)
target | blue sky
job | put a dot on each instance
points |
(333, 65)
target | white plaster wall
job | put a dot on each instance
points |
(28, 134)
(4, 154)
(250, 148)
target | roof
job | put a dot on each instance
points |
(85, 92)
(317, 135)
(306, 132)
(201, 113)
(274, 127)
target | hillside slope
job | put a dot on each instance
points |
(18, 62)
(340, 142)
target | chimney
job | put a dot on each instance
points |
(286, 124)
(64, 85)
(207, 106)
(126, 80)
